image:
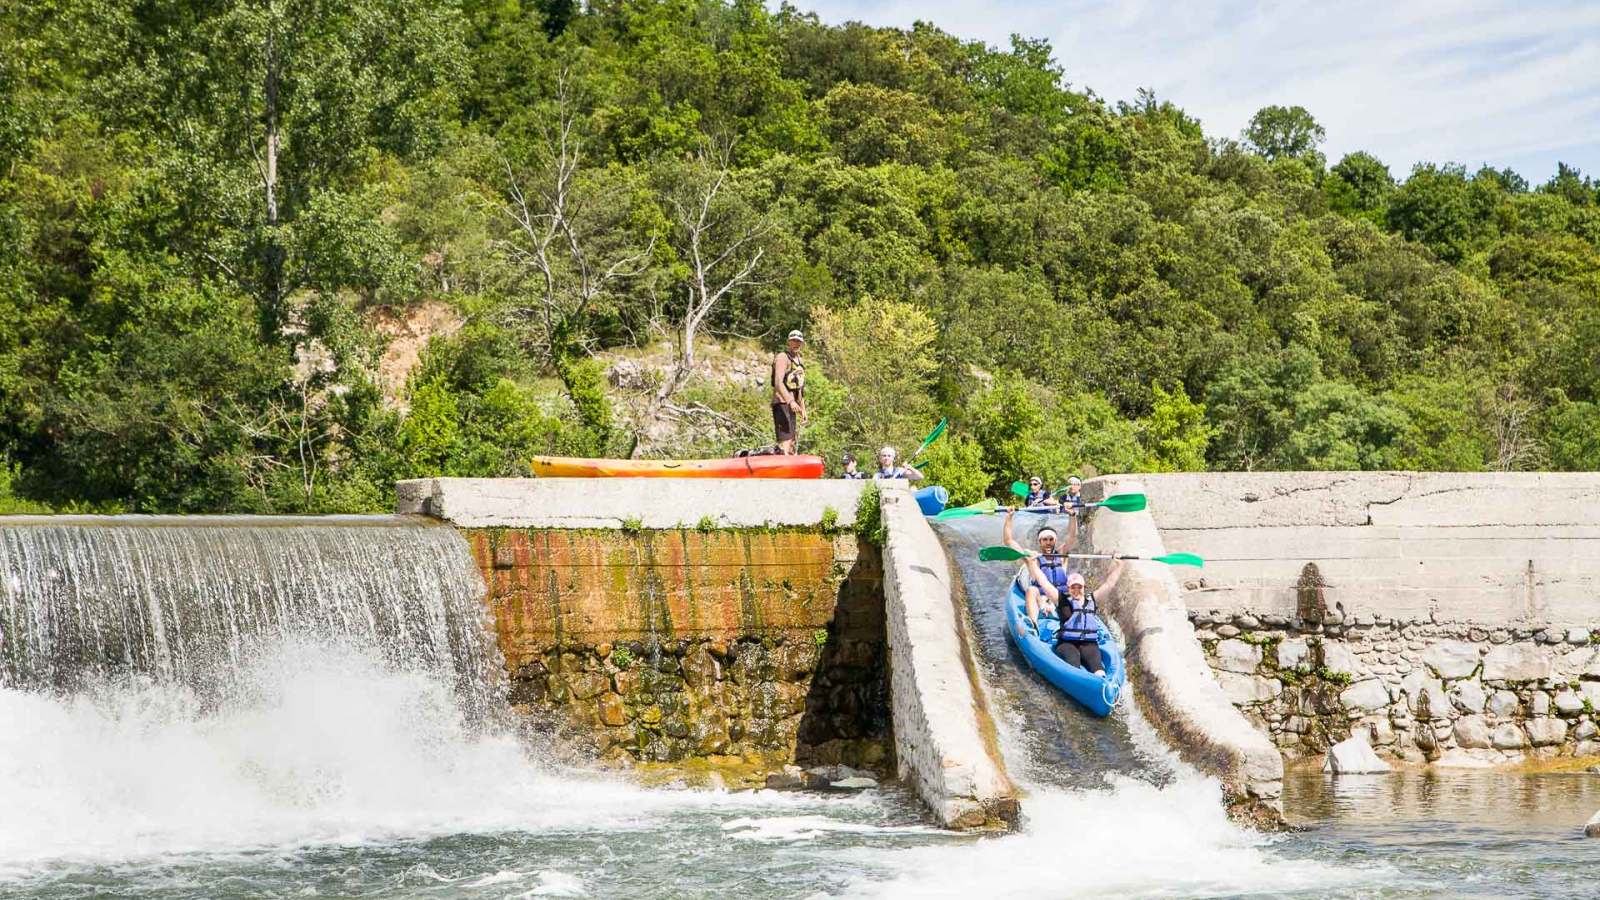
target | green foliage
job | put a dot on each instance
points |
(1277, 132)
(869, 518)
(819, 636)
(1333, 677)
(706, 525)
(1176, 434)
(621, 657)
(10, 503)
(632, 525)
(830, 520)
(1078, 286)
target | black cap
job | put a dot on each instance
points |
(848, 458)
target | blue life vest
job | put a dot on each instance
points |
(1037, 498)
(896, 472)
(1080, 623)
(1055, 569)
(853, 475)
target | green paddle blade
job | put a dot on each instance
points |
(1018, 488)
(932, 436)
(1001, 554)
(1123, 502)
(1179, 559)
(983, 507)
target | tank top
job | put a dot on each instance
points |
(794, 378)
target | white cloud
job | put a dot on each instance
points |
(1469, 81)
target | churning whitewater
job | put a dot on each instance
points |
(306, 742)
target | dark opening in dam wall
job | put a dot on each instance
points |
(663, 645)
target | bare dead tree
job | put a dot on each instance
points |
(1511, 422)
(568, 235)
(719, 238)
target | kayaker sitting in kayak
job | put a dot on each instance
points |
(1055, 567)
(850, 470)
(1037, 495)
(887, 468)
(1073, 498)
(1076, 640)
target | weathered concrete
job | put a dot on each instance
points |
(610, 502)
(944, 741)
(1452, 613)
(1171, 678)
(1456, 547)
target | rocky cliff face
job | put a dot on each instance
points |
(665, 646)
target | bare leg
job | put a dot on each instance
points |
(1033, 604)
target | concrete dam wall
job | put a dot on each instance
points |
(1446, 617)
(726, 621)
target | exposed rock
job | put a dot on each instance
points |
(1568, 703)
(1380, 732)
(1366, 695)
(1238, 656)
(612, 710)
(1579, 636)
(1247, 621)
(1503, 704)
(1425, 697)
(791, 778)
(1294, 652)
(1593, 828)
(1583, 663)
(1469, 696)
(1452, 659)
(1516, 662)
(1588, 748)
(1228, 631)
(853, 784)
(1585, 731)
(1336, 656)
(1540, 703)
(1509, 736)
(1546, 732)
(1353, 757)
(1472, 732)
(1248, 688)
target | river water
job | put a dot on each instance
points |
(333, 770)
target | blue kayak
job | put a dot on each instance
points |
(932, 500)
(1098, 692)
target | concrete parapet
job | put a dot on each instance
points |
(944, 741)
(1171, 678)
(609, 502)
(1487, 548)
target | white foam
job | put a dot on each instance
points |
(805, 828)
(325, 746)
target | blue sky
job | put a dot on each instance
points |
(1468, 81)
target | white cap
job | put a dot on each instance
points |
(796, 335)
(886, 449)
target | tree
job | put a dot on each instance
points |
(264, 106)
(1359, 186)
(1277, 132)
(1175, 433)
(571, 240)
(717, 237)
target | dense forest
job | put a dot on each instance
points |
(211, 211)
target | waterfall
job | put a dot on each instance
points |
(186, 599)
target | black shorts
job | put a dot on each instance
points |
(783, 420)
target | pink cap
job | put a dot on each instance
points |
(1073, 579)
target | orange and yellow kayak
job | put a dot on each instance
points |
(745, 467)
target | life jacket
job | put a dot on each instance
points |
(853, 475)
(894, 472)
(794, 378)
(1055, 569)
(1037, 498)
(1081, 623)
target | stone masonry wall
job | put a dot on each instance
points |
(667, 645)
(1418, 690)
